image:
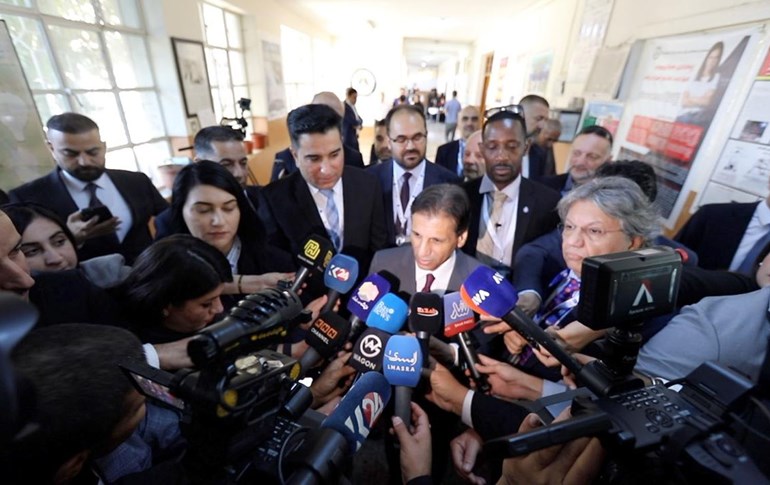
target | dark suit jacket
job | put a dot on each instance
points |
(446, 155)
(434, 175)
(290, 215)
(715, 231)
(349, 123)
(536, 213)
(285, 164)
(141, 196)
(555, 182)
(538, 159)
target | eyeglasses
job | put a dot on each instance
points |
(415, 139)
(593, 233)
(516, 109)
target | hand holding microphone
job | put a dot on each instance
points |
(458, 322)
(402, 367)
(315, 254)
(340, 276)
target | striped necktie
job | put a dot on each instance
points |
(332, 217)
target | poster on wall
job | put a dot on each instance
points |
(593, 26)
(604, 114)
(540, 69)
(23, 152)
(680, 84)
(276, 96)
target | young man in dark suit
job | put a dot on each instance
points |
(80, 181)
(450, 155)
(409, 172)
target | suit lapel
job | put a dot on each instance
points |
(387, 193)
(523, 214)
(476, 202)
(306, 207)
(124, 189)
(60, 196)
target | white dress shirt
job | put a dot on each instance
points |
(505, 234)
(757, 228)
(416, 184)
(320, 203)
(442, 275)
(107, 193)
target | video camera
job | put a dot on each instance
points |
(238, 124)
(685, 433)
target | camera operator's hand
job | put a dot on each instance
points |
(509, 382)
(529, 303)
(315, 307)
(253, 283)
(465, 448)
(514, 342)
(576, 462)
(326, 386)
(90, 228)
(446, 392)
(415, 444)
(173, 355)
(568, 376)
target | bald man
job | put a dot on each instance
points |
(284, 161)
(450, 155)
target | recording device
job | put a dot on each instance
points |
(340, 276)
(238, 124)
(363, 300)
(101, 212)
(402, 366)
(458, 322)
(367, 351)
(325, 337)
(315, 255)
(426, 315)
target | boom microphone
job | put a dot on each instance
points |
(402, 366)
(425, 317)
(458, 322)
(322, 455)
(363, 300)
(325, 336)
(316, 253)
(340, 276)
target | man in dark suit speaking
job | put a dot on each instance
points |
(80, 182)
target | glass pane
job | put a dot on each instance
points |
(103, 109)
(51, 104)
(240, 92)
(233, 23)
(237, 68)
(129, 60)
(18, 3)
(69, 9)
(121, 12)
(217, 104)
(226, 101)
(150, 155)
(211, 68)
(27, 35)
(122, 159)
(221, 68)
(80, 57)
(143, 115)
(215, 25)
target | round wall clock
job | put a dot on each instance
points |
(363, 81)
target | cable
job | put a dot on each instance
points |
(761, 406)
(283, 450)
(674, 382)
(746, 426)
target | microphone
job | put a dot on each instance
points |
(402, 366)
(367, 352)
(314, 256)
(388, 314)
(327, 334)
(322, 455)
(458, 322)
(364, 298)
(340, 276)
(425, 317)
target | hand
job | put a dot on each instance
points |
(568, 376)
(446, 392)
(509, 382)
(415, 444)
(253, 283)
(329, 407)
(578, 461)
(173, 355)
(574, 336)
(494, 326)
(325, 387)
(529, 303)
(87, 229)
(514, 342)
(465, 448)
(314, 307)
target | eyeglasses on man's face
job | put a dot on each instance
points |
(415, 139)
(592, 233)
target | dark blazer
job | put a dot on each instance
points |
(446, 155)
(289, 214)
(141, 196)
(400, 263)
(285, 164)
(349, 124)
(536, 213)
(434, 175)
(555, 182)
(715, 231)
(537, 162)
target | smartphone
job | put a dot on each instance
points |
(153, 383)
(102, 212)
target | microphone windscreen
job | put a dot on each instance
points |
(458, 317)
(367, 352)
(328, 333)
(426, 313)
(388, 314)
(402, 362)
(341, 273)
(368, 293)
(488, 292)
(359, 410)
(316, 253)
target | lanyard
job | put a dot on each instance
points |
(401, 213)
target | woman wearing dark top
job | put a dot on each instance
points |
(173, 288)
(210, 204)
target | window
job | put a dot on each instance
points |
(225, 60)
(297, 55)
(91, 57)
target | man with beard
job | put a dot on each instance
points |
(80, 182)
(507, 210)
(473, 160)
(451, 155)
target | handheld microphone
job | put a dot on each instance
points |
(458, 322)
(342, 433)
(340, 276)
(402, 366)
(367, 352)
(425, 317)
(363, 300)
(327, 334)
(316, 253)
(388, 314)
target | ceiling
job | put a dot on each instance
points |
(434, 30)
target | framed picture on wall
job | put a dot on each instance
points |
(193, 75)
